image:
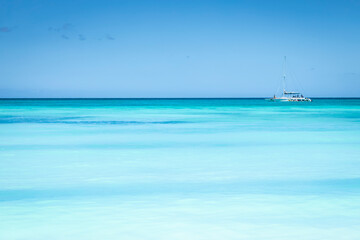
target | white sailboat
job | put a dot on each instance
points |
(288, 96)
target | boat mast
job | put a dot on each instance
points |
(284, 74)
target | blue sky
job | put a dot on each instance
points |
(88, 48)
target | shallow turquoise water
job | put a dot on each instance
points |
(179, 169)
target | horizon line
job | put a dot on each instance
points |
(149, 98)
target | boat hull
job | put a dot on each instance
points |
(289, 99)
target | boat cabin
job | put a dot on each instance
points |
(293, 94)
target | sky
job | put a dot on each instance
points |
(178, 48)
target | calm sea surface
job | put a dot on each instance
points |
(190, 169)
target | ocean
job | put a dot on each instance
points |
(179, 169)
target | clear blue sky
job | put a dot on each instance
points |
(87, 48)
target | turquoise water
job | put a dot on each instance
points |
(179, 169)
